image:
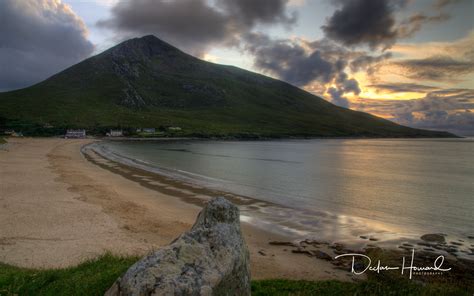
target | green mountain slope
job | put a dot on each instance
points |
(145, 82)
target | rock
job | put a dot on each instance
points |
(210, 259)
(433, 237)
(278, 243)
(310, 242)
(322, 255)
(301, 251)
(262, 252)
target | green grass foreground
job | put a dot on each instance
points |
(94, 277)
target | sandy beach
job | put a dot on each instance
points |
(58, 208)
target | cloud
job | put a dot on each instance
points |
(343, 85)
(337, 97)
(370, 22)
(446, 109)
(414, 23)
(38, 39)
(374, 22)
(403, 87)
(195, 25)
(442, 3)
(435, 68)
(319, 66)
(250, 12)
(348, 85)
(368, 63)
(289, 59)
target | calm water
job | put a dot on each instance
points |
(336, 189)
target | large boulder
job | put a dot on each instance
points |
(211, 259)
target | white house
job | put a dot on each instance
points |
(115, 133)
(149, 130)
(75, 134)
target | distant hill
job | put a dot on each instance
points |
(145, 82)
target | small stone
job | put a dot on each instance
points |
(301, 251)
(261, 252)
(278, 243)
(322, 255)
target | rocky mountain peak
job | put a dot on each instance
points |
(147, 46)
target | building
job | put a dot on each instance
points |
(9, 132)
(174, 128)
(149, 130)
(75, 134)
(115, 133)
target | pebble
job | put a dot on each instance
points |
(433, 237)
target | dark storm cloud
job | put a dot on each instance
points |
(337, 97)
(195, 25)
(183, 23)
(347, 85)
(343, 85)
(374, 22)
(436, 68)
(403, 87)
(302, 63)
(251, 12)
(38, 38)
(289, 60)
(359, 22)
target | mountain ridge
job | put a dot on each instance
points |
(146, 82)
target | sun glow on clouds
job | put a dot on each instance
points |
(454, 59)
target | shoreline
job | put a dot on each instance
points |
(58, 209)
(163, 180)
(251, 139)
(427, 248)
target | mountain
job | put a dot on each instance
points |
(145, 82)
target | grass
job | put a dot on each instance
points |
(94, 277)
(2, 141)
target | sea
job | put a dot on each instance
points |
(354, 191)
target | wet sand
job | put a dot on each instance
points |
(58, 208)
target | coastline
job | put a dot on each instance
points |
(362, 233)
(59, 209)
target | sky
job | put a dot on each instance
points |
(409, 61)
